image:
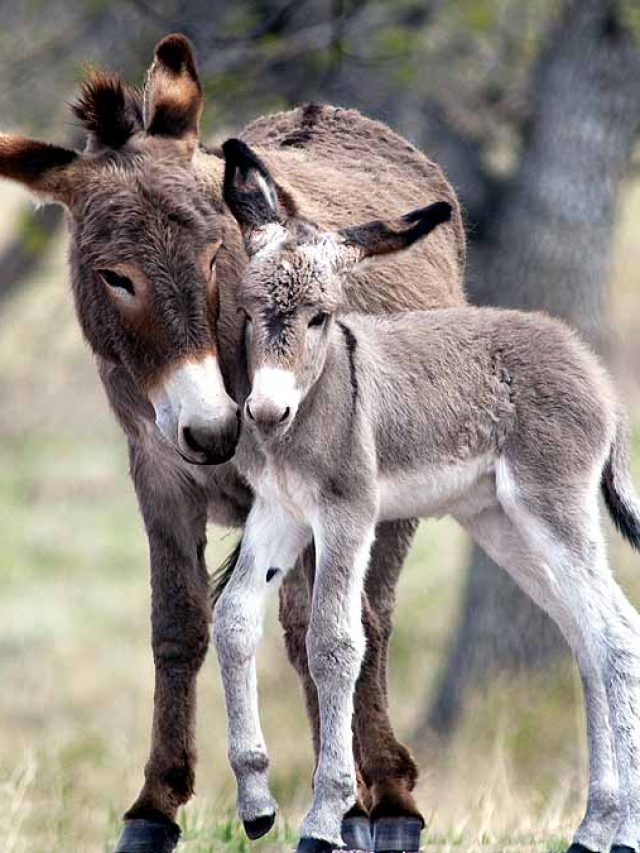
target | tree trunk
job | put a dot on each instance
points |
(547, 246)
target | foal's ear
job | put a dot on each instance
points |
(46, 170)
(248, 187)
(173, 94)
(383, 236)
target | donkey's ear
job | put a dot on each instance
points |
(383, 236)
(109, 110)
(46, 170)
(173, 94)
(248, 187)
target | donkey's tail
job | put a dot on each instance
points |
(222, 575)
(619, 494)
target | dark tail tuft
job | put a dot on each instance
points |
(222, 575)
(617, 488)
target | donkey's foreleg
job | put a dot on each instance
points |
(271, 541)
(174, 511)
(294, 613)
(335, 648)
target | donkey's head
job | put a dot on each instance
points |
(145, 235)
(292, 287)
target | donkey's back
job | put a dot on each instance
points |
(340, 167)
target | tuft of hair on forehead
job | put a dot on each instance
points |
(108, 109)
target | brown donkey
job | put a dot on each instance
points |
(155, 262)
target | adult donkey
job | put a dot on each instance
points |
(155, 260)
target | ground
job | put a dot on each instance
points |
(76, 694)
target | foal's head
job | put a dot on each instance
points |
(145, 236)
(292, 288)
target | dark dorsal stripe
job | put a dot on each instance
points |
(351, 344)
(304, 134)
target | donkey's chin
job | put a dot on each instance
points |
(206, 459)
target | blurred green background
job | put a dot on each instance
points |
(466, 81)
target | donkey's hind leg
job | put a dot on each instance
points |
(387, 767)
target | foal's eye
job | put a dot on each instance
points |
(319, 320)
(214, 258)
(117, 281)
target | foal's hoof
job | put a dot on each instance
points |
(259, 826)
(314, 845)
(621, 848)
(576, 847)
(356, 833)
(397, 834)
(148, 836)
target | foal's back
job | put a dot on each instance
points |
(454, 384)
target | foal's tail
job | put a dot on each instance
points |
(617, 487)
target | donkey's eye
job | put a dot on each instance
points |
(117, 281)
(319, 320)
(212, 264)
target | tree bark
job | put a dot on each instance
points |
(547, 247)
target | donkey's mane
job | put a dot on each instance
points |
(108, 109)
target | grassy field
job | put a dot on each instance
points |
(76, 691)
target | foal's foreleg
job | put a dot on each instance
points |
(174, 511)
(335, 648)
(270, 541)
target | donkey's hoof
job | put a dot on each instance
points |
(259, 826)
(314, 845)
(621, 848)
(148, 836)
(576, 847)
(397, 834)
(356, 833)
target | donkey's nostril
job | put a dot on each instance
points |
(249, 412)
(285, 415)
(191, 441)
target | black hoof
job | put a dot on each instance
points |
(621, 848)
(259, 826)
(314, 845)
(576, 847)
(356, 833)
(397, 834)
(148, 836)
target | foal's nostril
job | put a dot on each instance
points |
(249, 412)
(285, 415)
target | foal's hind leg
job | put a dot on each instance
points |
(565, 575)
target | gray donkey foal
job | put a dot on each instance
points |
(502, 419)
